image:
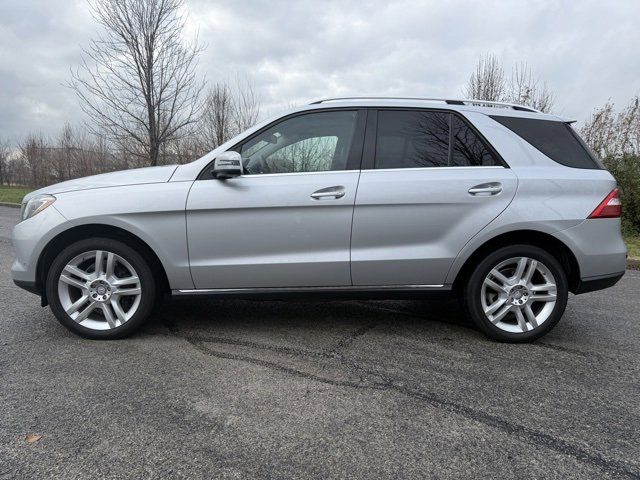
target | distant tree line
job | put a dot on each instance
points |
(40, 160)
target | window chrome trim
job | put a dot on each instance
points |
(434, 168)
(295, 173)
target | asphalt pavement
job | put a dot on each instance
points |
(349, 389)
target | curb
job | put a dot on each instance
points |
(12, 205)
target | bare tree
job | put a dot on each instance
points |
(246, 105)
(527, 90)
(4, 161)
(137, 80)
(33, 153)
(600, 131)
(228, 112)
(614, 134)
(488, 81)
(218, 119)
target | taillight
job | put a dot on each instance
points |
(611, 206)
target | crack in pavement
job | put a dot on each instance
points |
(347, 340)
(388, 384)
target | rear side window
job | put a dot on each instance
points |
(468, 150)
(419, 139)
(557, 140)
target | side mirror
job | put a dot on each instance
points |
(227, 165)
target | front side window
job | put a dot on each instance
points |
(313, 142)
(418, 139)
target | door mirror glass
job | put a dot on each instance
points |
(227, 165)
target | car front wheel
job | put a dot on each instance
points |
(100, 288)
(517, 293)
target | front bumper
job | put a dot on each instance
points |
(30, 287)
(29, 238)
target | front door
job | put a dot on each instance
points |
(286, 222)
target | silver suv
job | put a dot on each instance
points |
(499, 204)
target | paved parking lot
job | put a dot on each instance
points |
(234, 389)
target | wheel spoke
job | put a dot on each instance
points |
(530, 316)
(118, 310)
(530, 271)
(127, 291)
(501, 313)
(73, 282)
(543, 298)
(522, 323)
(124, 281)
(111, 260)
(504, 280)
(85, 313)
(73, 270)
(522, 265)
(73, 308)
(108, 315)
(545, 287)
(494, 285)
(495, 306)
(99, 262)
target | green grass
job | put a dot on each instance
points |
(633, 245)
(13, 194)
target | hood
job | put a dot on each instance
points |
(136, 176)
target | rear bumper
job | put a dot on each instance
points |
(598, 248)
(601, 282)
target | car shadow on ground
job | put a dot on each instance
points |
(209, 316)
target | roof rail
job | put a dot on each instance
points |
(482, 103)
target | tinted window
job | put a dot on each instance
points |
(307, 143)
(468, 149)
(409, 139)
(556, 140)
(412, 139)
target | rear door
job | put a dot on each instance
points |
(429, 183)
(286, 222)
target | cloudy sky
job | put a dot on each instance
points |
(295, 51)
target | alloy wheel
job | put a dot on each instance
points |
(99, 290)
(519, 294)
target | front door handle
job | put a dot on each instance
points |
(486, 189)
(329, 192)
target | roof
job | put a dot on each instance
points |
(481, 106)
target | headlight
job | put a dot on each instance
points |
(35, 205)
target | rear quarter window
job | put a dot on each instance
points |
(557, 140)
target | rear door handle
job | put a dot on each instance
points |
(329, 193)
(486, 189)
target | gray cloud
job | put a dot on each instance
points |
(296, 51)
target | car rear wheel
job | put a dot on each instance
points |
(517, 293)
(101, 288)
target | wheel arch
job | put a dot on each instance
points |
(82, 232)
(543, 240)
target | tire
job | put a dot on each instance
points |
(540, 305)
(120, 296)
